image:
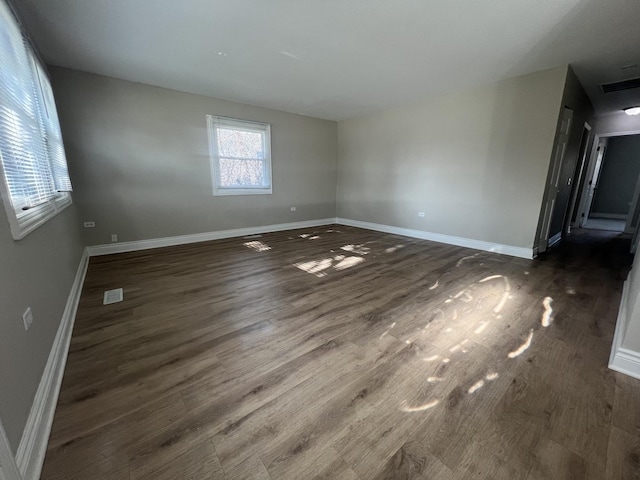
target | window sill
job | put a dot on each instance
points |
(25, 224)
(223, 192)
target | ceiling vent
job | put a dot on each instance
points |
(620, 86)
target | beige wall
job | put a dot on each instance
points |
(139, 159)
(475, 161)
(36, 272)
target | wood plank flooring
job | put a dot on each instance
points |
(342, 353)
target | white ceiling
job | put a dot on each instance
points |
(337, 59)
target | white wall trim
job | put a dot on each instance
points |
(8, 467)
(33, 445)
(123, 247)
(108, 249)
(555, 239)
(615, 216)
(622, 359)
(442, 238)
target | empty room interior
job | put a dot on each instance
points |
(337, 240)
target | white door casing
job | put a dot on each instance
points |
(592, 186)
(553, 186)
(582, 168)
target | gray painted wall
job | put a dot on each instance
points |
(37, 271)
(616, 123)
(618, 177)
(475, 161)
(140, 161)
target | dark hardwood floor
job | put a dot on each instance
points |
(342, 353)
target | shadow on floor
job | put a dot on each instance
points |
(609, 251)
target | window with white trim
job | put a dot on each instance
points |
(34, 182)
(240, 156)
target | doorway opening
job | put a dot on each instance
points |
(611, 189)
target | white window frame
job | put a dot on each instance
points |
(24, 222)
(213, 123)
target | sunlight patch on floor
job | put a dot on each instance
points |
(257, 245)
(476, 386)
(319, 267)
(546, 315)
(432, 358)
(315, 267)
(348, 262)
(505, 295)
(405, 408)
(464, 259)
(359, 249)
(522, 348)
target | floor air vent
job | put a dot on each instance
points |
(113, 296)
(620, 86)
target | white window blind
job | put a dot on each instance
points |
(240, 156)
(34, 168)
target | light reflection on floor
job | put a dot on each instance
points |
(257, 245)
(476, 386)
(394, 248)
(522, 348)
(359, 249)
(465, 304)
(466, 296)
(546, 316)
(405, 408)
(321, 267)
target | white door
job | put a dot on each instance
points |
(592, 186)
(554, 179)
(631, 223)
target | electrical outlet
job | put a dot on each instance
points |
(89, 224)
(27, 318)
(293, 209)
(114, 237)
(421, 214)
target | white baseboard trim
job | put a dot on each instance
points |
(8, 467)
(33, 445)
(124, 247)
(555, 239)
(626, 361)
(622, 359)
(614, 216)
(442, 238)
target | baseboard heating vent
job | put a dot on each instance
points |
(620, 86)
(113, 296)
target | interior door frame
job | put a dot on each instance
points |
(578, 180)
(583, 215)
(8, 468)
(551, 190)
(595, 169)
